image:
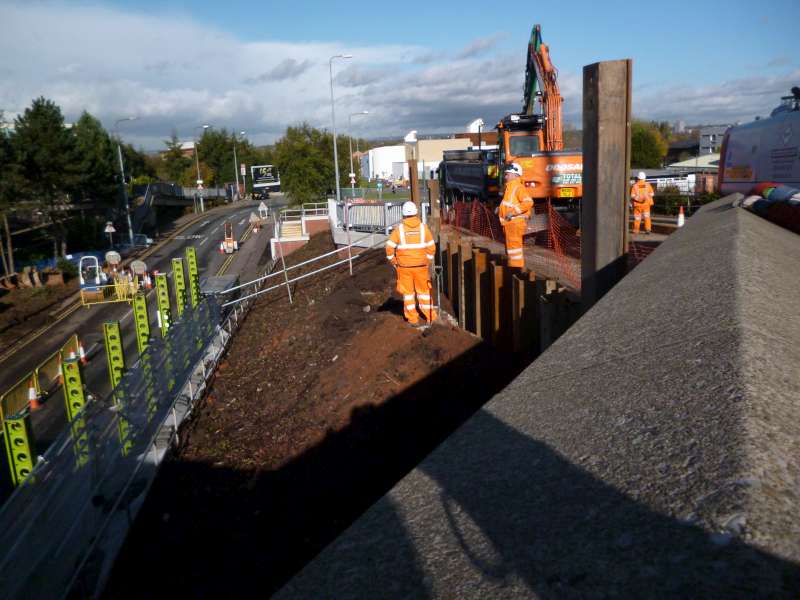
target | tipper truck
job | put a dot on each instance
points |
(532, 138)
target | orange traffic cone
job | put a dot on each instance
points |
(222, 247)
(681, 217)
(82, 354)
(33, 397)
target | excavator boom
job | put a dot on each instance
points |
(541, 83)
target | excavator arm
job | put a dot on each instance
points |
(541, 83)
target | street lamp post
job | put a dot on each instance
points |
(122, 175)
(333, 121)
(197, 162)
(236, 162)
(350, 140)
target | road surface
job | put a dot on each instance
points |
(205, 235)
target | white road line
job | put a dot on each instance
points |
(204, 223)
(242, 222)
(203, 241)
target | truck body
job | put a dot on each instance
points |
(767, 150)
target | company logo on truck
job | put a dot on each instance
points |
(567, 179)
(564, 167)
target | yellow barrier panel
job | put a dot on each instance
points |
(16, 399)
(48, 374)
(122, 290)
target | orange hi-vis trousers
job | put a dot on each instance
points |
(641, 209)
(416, 281)
(514, 230)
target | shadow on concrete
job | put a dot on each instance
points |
(209, 531)
(491, 511)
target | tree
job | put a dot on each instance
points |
(304, 158)
(216, 150)
(42, 147)
(92, 169)
(648, 147)
(174, 161)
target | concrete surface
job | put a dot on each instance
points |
(652, 451)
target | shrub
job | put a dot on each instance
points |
(67, 268)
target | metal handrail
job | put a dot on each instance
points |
(290, 281)
(300, 264)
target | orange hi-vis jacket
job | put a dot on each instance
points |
(642, 194)
(411, 244)
(516, 203)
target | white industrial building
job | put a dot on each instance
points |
(389, 162)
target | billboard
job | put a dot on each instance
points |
(265, 176)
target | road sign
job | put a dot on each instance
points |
(243, 170)
(110, 228)
(113, 258)
(380, 185)
(199, 182)
(263, 211)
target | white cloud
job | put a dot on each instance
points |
(176, 73)
(738, 100)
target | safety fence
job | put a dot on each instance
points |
(37, 384)
(79, 500)
(548, 229)
(371, 215)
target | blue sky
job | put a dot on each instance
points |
(263, 65)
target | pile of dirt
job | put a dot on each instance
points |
(317, 410)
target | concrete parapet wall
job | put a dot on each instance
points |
(652, 451)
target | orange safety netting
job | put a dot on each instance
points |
(548, 230)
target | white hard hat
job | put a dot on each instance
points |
(409, 209)
(642, 175)
(514, 169)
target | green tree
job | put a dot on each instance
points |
(174, 162)
(304, 158)
(648, 147)
(215, 149)
(92, 169)
(42, 147)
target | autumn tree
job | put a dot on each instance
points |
(648, 147)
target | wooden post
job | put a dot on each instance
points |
(454, 279)
(483, 303)
(441, 249)
(544, 288)
(465, 287)
(496, 283)
(436, 216)
(413, 181)
(517, 307)
(606, 166)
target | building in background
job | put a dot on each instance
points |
(711, 138)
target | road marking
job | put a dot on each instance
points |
(28, 339)
(241, 222)
(203, 241)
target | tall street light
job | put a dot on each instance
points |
(333, 120)
(350, 139)
(197, 162)
(122, 175)
(235, 162)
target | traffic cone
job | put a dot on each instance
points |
(33, 397)
(82, 354)
(681, 217)
(222, 247)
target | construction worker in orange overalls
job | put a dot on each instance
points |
(410, 249)
(642, 199)
(514, 211)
